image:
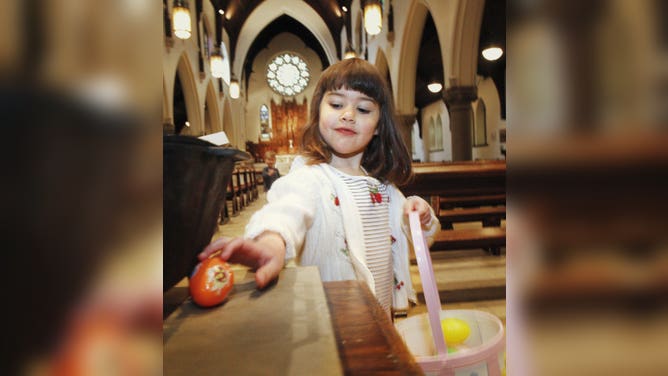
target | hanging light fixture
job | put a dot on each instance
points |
(181, 19)
(373, 17)
(492, 53)
(234, 88)
(216, 63)
(435, 86)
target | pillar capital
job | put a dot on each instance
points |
(460, 95)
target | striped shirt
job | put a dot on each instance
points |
(371, 199)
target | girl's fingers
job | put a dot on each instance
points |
(213, 247)
(268, 272)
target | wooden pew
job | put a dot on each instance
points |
(490, 216)
(488, 238)
(463, 192)
(458, 179)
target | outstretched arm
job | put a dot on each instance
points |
(265, 254)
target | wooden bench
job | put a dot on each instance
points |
(452, 201)
(489, 238)
(490, 216)
(464, 192)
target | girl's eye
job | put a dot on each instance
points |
(335, 105)
(363, 110)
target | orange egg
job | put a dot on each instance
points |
(211, 282)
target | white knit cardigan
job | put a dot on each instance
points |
(315, 213)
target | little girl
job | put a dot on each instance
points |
(339, 207)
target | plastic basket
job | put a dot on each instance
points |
(481, 354)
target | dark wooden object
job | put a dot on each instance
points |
(449, 202)
(195, 174)
(490, 238)
(462, 192)
(457, 179)
(489, 216)
(258, 332)
(367, 340)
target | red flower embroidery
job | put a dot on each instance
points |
(393, 239)
(336, 200)
(376, 197)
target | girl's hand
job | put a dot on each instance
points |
(415, 203)
(265, 254)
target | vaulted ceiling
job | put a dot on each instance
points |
(430, 65)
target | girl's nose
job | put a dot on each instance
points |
(348, 114)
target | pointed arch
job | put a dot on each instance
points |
(186, 75)
(410, 45)
(462, 58)
(383, 67)
(432, 134)
(212, 123)
(167, 115)
(480, 124)
(267, 12)
(438, 136)
(228, 123)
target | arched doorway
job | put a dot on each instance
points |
(187, 117)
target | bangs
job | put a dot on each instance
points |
(358, 77)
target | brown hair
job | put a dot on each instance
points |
(386, 157)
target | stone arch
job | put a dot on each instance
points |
(185, 73)
(166, 103)
(211, 33)
(462, 57)
(267, 12)
(410, 45)
(228, 122)
(212, 121)
(480, 123)
(383, 67)
(358, 33)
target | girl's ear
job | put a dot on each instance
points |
(375, 133)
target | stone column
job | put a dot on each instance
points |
(405, 126)
(459, 99)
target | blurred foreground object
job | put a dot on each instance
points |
(587, 178)
(81, 188)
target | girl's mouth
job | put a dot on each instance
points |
(346, 131)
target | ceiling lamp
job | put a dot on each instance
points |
(373, 17)
(492, 53)
(435, 87)
(181, 19)
(234, 88)
(216, 63)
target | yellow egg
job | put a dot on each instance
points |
(455, 331)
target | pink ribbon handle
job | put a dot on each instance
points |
(428, 282)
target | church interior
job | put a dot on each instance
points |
(547, 175)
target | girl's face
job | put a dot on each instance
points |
(348, 121)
